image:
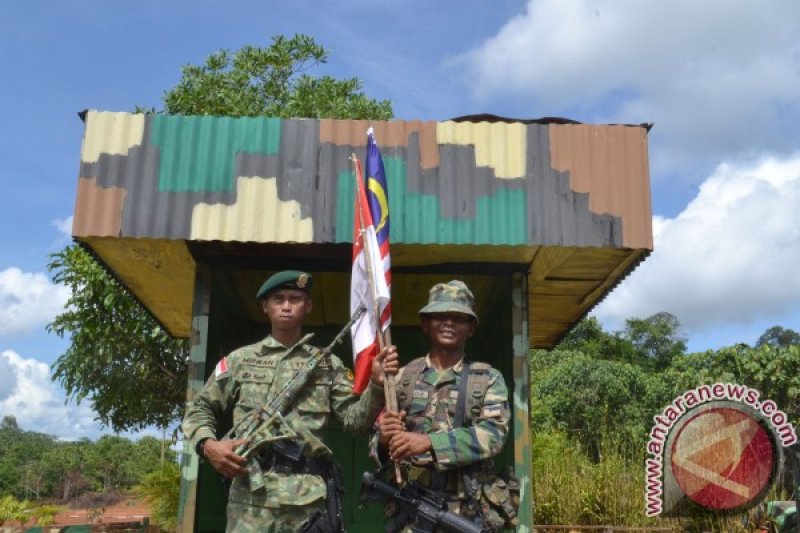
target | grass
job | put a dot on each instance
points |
(570, 489)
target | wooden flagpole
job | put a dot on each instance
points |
(384, 338)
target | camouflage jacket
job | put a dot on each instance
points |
(249, 377)
(432, 411)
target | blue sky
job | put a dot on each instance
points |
(720, 79)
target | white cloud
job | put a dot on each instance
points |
(38, 404)
(718, 77)
(729, 258)
(64, 227)
(8, 381)
(28, 300)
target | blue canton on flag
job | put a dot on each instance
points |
(377, 191)
(378, 199)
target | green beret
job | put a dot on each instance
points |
(287, 279)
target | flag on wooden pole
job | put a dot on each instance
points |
(378, 197)
(368, 287)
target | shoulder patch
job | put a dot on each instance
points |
(349, 375)
(221, 370)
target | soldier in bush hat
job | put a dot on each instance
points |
(289, 490)
(434, 439)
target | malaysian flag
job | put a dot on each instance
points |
(378, 197)
(368, 287)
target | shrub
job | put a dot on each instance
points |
(13, 509)
(161, 489)
(45, 515)
(570, 488)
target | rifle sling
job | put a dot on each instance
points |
(461, 401)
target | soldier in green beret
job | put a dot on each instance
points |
(290, 489)
(434, 439)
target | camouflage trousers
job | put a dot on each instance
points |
(244, 518)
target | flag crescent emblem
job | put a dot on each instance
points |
(375, 187)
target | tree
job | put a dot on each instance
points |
(20, 454)
(588, 337)
(9, 423)
(119, 357)
(594, 399)
(110, 456)
(778, 336)
(69, 466)
(149, 455)
(656, 338)
(271, 82)
(774, 371)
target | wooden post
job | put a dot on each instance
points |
(521, 401)
(187, 510)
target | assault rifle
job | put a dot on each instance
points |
(425, 508)
(266, 424)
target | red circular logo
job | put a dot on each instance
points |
(723, 458)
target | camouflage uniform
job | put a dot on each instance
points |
(429, 398)
(431, 411)
(246, 380)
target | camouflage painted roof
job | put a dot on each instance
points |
(272, 180)
(494, 186)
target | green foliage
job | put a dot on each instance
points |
(774, 371)
(273, 82)
(656, 338)
(9, 423)
(148, 455)
(12, 509)
(161, 489)
(34, 466)
(569, 488)
(591, 398)
(588, 337)
(20, 455)
(779, 336)
(44, 515)
(650, 342)
(133, 372)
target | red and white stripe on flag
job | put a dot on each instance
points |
(372, 295)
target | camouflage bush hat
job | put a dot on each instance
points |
(287, 279)
(451, 297)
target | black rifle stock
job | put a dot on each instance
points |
(426, 508)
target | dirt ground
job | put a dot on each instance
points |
(124, 511)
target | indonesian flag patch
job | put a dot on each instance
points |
(221, 370)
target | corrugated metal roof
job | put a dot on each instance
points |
(570, 202)
(272, 180)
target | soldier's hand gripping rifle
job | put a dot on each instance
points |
(424, 508)
(266, 424)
